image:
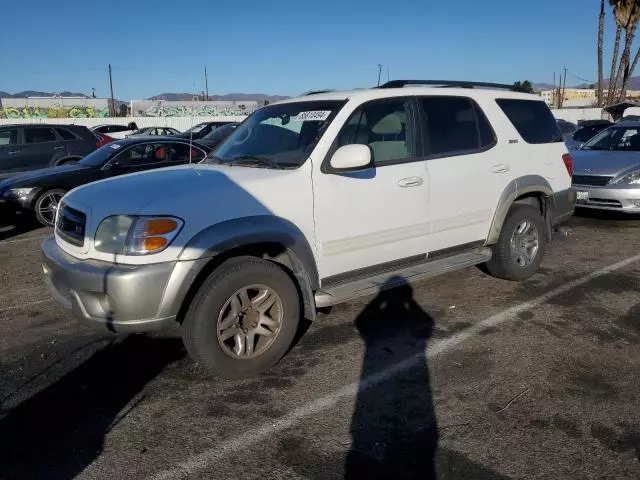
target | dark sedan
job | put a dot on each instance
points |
(217, 136)
(201, 129)
(39, 192)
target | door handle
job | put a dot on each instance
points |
(410, 182)
(14, 152)
(500, 168)
(58, 147)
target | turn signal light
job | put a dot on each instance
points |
(154, 243)
(160, 226)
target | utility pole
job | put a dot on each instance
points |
(554, 98)
(379, 72)
(206, 82)
(564, 85)
(112, 104)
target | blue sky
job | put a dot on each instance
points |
(286, 46)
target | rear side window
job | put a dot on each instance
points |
(181, 152)
(39, 135)
(584, 134)
(455, 124)
(533, 120)
(8, 137)
(113, 129)
(65, 134)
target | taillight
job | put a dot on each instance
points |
(568, 162)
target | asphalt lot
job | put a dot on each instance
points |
(465, 375)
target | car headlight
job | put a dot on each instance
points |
(632, 178)
(129, 235)
(18, 192)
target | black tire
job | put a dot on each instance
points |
(503, 263)
(200, 326)
(40, 203)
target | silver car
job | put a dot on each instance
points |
(606, 172)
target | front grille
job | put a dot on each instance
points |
(70, 225)
(591, 180)
(605, 202)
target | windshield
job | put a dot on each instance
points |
(616, 139)
(278, 136)
(99, 157)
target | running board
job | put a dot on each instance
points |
(341, 292)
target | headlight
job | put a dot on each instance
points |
(632, 178)
(136, 235)
(18, 192)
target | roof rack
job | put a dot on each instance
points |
(449, 83)
(313, 92)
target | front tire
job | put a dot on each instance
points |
(243, 319)
(46, 206)
(518, 253)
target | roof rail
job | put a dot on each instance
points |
(313, 92)
(449, 83)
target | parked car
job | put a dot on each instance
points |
(586, 131)
(39, 192)
(310, 202)
(30, 146)
(629, 118)
(607, 170)
(217, 136)
(163, 131)
(114, 131)
(201, 129)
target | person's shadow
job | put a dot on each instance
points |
(394, 428)
(61, 430)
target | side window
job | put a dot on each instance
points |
(385, 127)
(65, 134)
(180, 153)
(8, 137)
(583, 134)
(532, 119)
(454, 124)
(145, 154)
(39, 135)
(115, 129)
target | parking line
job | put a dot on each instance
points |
(19, 240)
(240, 443)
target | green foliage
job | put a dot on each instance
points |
(523, 86)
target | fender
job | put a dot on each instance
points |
(516, 188)
(239, 232)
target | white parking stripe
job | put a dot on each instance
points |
(20, 240)
(242, 442)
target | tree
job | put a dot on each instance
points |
(524, 86)
(627, 15)
(124, 111)
(600, 46)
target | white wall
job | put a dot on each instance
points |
(575, 114)
(179, 123)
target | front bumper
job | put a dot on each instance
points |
(612, 198)
(121, 298)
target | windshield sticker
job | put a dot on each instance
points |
(314, 116)
(115, 146)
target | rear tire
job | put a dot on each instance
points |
(520, 248)
(46, 206)
(243, 319)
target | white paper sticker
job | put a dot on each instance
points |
(314, 116)
(115, 146)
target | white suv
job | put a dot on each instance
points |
(310, 202)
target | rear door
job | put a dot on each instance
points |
(468, 171)
(41, 147)
(10, 151)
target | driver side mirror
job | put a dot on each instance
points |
(351, 158)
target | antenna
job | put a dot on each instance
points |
(206, 83)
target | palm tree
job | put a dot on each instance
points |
(627, 14)
(600, 44)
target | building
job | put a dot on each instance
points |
(580, 97)
(54, 107)
(196, 108)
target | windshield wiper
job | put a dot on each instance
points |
(254, 160)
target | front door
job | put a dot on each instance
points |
(10, 151)
(375, 218)
(41, 146)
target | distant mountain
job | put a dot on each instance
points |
(238, 97)
(34, 93)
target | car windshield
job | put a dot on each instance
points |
(616, 139)
(220, 132)
(278, 136)
(99, 157)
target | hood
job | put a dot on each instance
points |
(34, 178)
(604, 162)
(202, 192)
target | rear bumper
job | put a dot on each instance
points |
(120, 298)
(563, 205)
(625, 200)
